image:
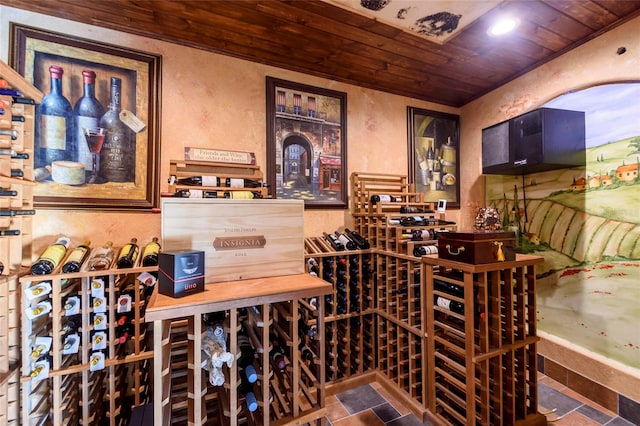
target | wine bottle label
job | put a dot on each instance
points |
(196, 193)
(100, 321)
(53, 132)
(131, 121)
(40, 309)
(124, 303)
(42, 289)
(150, 249)
(444, 303)
(54, 254)
(99, 304)
(209, 181)
(77, 254)
(97, 287)
(241, 195)
(72, 306)
(42, 345)
(236, 183)
(99, 341)
(71, 344)
(40, 370)
(343, 239)
(96, 361)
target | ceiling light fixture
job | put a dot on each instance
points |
(503, 26)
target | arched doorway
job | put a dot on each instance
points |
(297, 155)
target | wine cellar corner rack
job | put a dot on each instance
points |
(15, 250)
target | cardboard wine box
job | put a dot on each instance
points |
(477, 247)
(241, 239)
(180, 272)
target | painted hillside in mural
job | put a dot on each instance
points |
(585, 222)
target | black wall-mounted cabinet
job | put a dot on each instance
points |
(540, 140)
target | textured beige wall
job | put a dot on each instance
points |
(210, 100)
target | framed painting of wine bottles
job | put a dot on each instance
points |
(434, 155)
(306, 144)
(96, 129)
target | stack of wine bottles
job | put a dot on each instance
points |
(59, 257)
(91, 322)
(346, 240)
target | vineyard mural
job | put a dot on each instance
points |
(585, 222)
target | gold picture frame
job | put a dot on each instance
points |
(34, 51)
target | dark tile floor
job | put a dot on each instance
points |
(372, 405)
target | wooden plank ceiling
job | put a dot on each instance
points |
(319, 38)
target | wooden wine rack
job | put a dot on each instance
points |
(75, 391)
(185, 168)
(349, 308)
(15, 250)
(275, 306)
(483, 367)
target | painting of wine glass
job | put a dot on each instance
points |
(96, 129)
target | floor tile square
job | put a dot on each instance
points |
(363, 418)
(594, 414)
(551, 399)
(386, 412)
(360, 398)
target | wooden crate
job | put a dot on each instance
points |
(242, 239)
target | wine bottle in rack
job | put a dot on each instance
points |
(242, 195)
(247, 357)
(244, 183)
(415, 209)
(77, 257)
(71, 324)
(128, 254)
(246, 389)
(384, 198)
(124, 332)
(7, 192)
(420, 251)
(195, 181)
(51, 257)
(448, 304)
(11, 213)
(306, 354)
(55, 132)
(361, 242)
(313, 267)
(346, 241)
(150, 253)
(333, 241)
(277, 353)
(102, 257)
(16, 173)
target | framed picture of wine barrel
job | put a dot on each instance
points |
(434, 155)
(306, 144)
(96, 130)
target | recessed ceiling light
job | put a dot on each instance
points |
(503, 26)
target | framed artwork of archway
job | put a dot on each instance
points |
(306, 144)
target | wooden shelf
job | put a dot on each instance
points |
(279, 306)
(184, 168)
(484, 364)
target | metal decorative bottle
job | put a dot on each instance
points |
(87, 112)
(117, 158)
(55, 132)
